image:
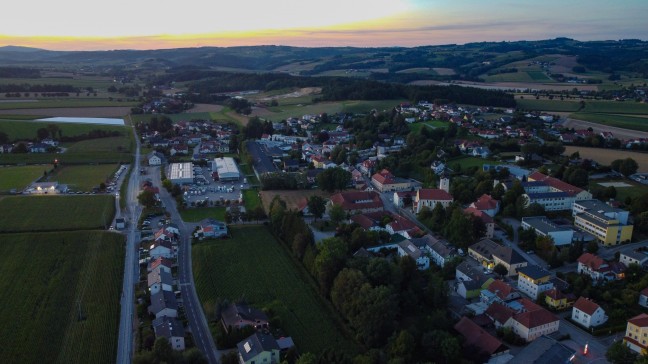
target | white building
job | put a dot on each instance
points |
(406, 247)
(172, 329)
(587, 313)
(544, 227)
(181, 173)
(533, 280)
(226, 168)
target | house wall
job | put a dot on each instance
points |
(160, 252)
(627, 260)
(167, 312)
(643, 301)
(177, 343)
(639, 334)
(533, 288)
(535, 332)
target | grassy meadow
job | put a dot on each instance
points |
(21, 129)
(83, 177)
(200, 213)
(45, 278)
(55, 213)
(254, 266)
(284, 111)
(19, 177)
(65, 102)
(619, 121)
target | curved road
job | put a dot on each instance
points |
(131, 267)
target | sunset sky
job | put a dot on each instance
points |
(146, 24)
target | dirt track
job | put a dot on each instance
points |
(617, 132)
(98, 112)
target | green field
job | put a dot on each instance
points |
(67, 102)
(200, 213)
(616, 107)
(520, 76)
(20, 177)
(254, 266)
(82, 82)
(54, 213)
(636, 190)
(83, 177)
(539, 76)
(619, 121)
(282, 112)
(416, 127)
(251, 199)
(467, 162)
(44, 279)
(547, 105)
(26, 129)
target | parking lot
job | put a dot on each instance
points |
(205, 191)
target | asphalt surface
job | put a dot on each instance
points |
(131, 268)
(193, 310)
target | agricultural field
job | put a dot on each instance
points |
(616, 107)
(200, 213)
(55, 213)
(17, 129)
(618, 121)
(530, 103)
(20, 177)
(606, 156)
(61, 103)
(93, 112)
(83, 177)
(254, 266)
(282, 112)
(80, 82)
(49, 281)
(291, 197)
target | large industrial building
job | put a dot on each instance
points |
(181, 173)
(226, 168)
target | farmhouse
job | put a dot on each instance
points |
(181, 173)
(226, 168)
(211, 228)
(240, 315)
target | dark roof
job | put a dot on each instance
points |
(261, 159)
(534, 271)
(545, 350)
(236, 312)
(162, 300)
(255, 345)
(159, 276)
(476, 337)
(538, 195)
(486, 247)
(168, 327)
(357, 200)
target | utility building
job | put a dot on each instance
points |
(226, 168)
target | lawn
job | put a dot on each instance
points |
(55, 213)
(539, 76)
(416, 127)
(83, 177)
(547, 105)
(467, 162)
(255, 267)
(200, 213)
(619, 121)
(636, 190)
(251, 198)
(45, 278)
(26, 129)
(20, 177)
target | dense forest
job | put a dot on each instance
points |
(18, 72)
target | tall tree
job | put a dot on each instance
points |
(337, 214)
(316, 206)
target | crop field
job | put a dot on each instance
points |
(45, 279)
(200, 213)
(26, 129)
(547, 105)
(520, 76)
(83, 177)
(619, 121)
(606, 156)
(55, 213)
(616, 107)
(20, 177)
(92, 112)
(60, 103)
(113, 144)
(80, 82)
(254, 266)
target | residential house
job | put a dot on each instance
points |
(542, 226)
(259, 348)
(171, 329)
(477, 339)
(180, 149)
(155, 158)
(544, 350)
(165, 234)
(636, 336)
(241, 315)
(440, 252)
(608, 224)
(211, 228)
(643, 298)
(488, 221)
(357, 202)
(470, 280)
(159, 280)
(557, 300)
(403, 226)
(498, 291)
(161, 248)
(490, 254)
(587, 313)
(633, 256)
(429, 197)
(438, 167)
(38, 148)
(500, 314)
(486, 204)
(533, 322)
(47, 188)
(402, 198)
(161, 263)
(385, 181)
(598, 269)
(406, 247)
(163, 303)
(533, 280)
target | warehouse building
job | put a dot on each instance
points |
(181, 173)
(226, 168)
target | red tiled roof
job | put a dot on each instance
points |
(499, 313)
(476, 336)
(555, 294)
(586, 305)
(485, 202)
(383, 177)
(640, 320)
(433, 194)
(644, 292)
(555, 183)
(591, 261)
(364, 221)
(349, 200)
(480, 214)
(534, 315)
(161, 261)
(501, 288)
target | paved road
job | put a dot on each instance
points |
(608, 253)
(578, 340)
(131, 267)
(193, 310)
